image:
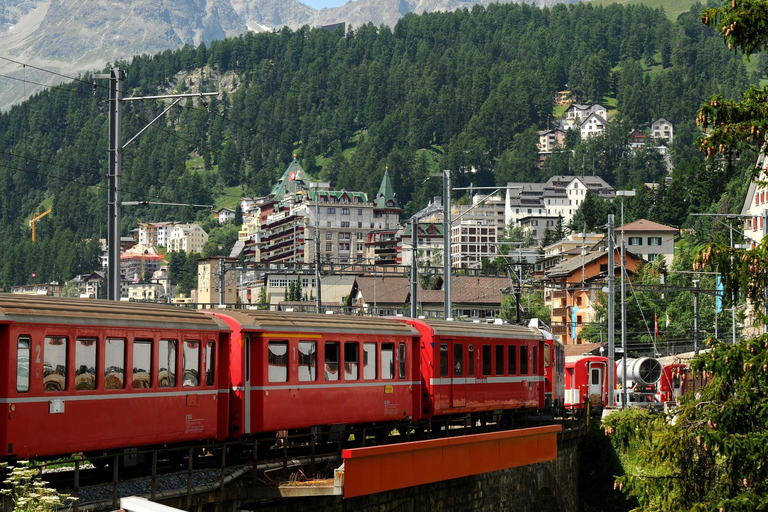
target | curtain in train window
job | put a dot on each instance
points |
(210, 364)
(22, 365)
(278, 361)
(307, 361)
(387, 361)
(191, 364)
(55, 363)
(114, 363)
(166, 366)
(332, 360)
(142, 364)
(351, 360)
(85, 363)
(369, 361)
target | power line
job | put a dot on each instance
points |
(57, 87)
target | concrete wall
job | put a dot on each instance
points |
(544, 487)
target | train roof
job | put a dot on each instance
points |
(477, 330)
(280, 321)
(41, 309)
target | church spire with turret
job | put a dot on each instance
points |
(386, 198)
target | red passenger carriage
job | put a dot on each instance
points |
(586, 380)
(469, 368)
(95, 376)
(295, 371)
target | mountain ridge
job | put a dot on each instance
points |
(76, 36)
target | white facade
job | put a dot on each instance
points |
(592, 126)
(663, 129)
(187, 238)
(490, 212)
(155, 234)
(756, 206)
(470, 243)
(225, 215)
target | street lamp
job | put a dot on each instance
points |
(623, 194)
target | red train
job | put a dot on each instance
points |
(95, 376)
(586, 381)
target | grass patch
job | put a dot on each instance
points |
(230, 198)
(672, 8)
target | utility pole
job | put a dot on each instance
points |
(414, 267)
(116, 77)
(318, 276)
(696, 316)
(447, 243)
(611, 308)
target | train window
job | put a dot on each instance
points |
(387, 360)
(114, 363)
(210, 364)
(166, 366)
(307, 361)
(277, 362)
(523, 360)
(534, 361)
(547, 356)
(458, 359)
(486, 359)
(351, 360)
(512, 359)
(471, 359)
(595, 376)
(499, 359)
(401, 361)
(55, 363)
(444, 372)
(332, 360)
(142, 364)
(369, 361)
(22, 365)
(191, 364)
(85, 364)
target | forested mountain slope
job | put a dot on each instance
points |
(465, 91)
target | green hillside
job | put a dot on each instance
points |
(673, 8)
(466, 91)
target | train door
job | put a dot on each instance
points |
(458, 380)
(595, 386)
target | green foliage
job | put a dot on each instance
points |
(466, 90)
(28, 492)
(709, 453)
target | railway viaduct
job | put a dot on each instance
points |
(549, 486)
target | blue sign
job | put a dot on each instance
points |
(574, 310)
(719, 296)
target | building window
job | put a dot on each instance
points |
(329, 236)
(331, 211)
(328, 247)
(635, 240)
(654, 240)
(345, 211)
(359, 210)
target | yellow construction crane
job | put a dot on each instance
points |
(34, 220)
